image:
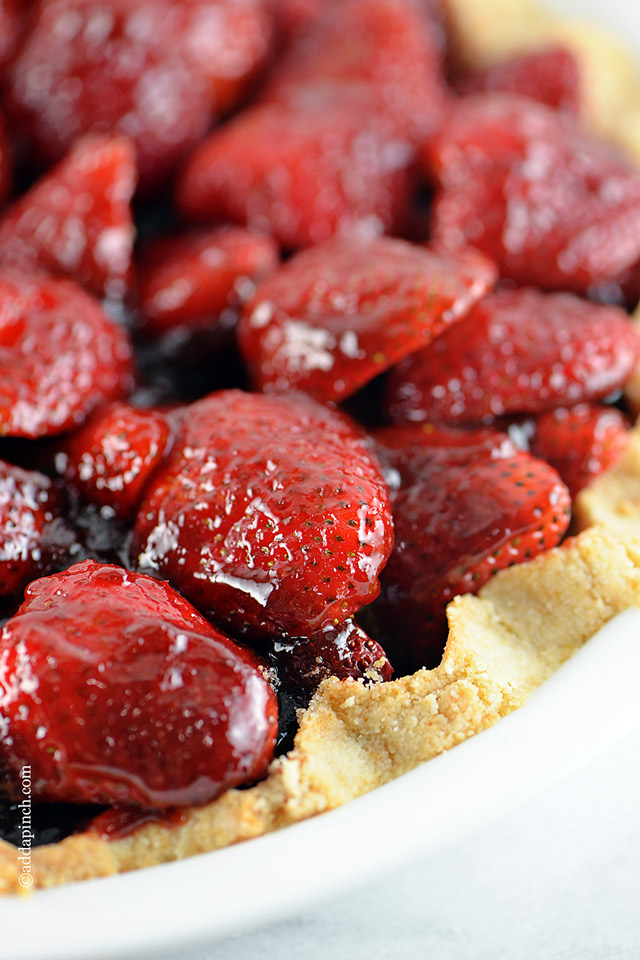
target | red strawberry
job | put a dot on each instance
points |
(192, 279)
(296, 15)
(548, 76)
(76, 220)
(60, 356)
(270, 515)
(463, 512)
(304, 174)
(518, 351)
(111, 458)
(553, 206)
(392, 48)
(345, 652)
(117, 691)
(12, 23)
(153, 71)
(29, 506)
(340, 313)
(580, 442)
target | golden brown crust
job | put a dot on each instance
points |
(502, 643)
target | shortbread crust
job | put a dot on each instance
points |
(502, 643)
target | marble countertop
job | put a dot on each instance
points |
(557, 879)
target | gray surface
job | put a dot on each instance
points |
(558, 879)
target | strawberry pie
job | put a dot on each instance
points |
(318, 381)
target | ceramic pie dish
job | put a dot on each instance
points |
(505, 640)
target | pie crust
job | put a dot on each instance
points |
(502, 643)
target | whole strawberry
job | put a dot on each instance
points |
(117, 691)
(76, 220)
(60, 355)
(468, 504)
(551, 205)
(518, 351)
(338, 314)
(29, 507)
(270, 515)
(580, 442)
(113, 456)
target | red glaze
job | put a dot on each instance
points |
(154, 71)
(270, 515)
(518, 351)
(580, 442)
(60, 355)
(549, 76)
(335, 316)
(344, 651)
(5, 162)
(553, 206)
(29, 504)
(111, 458)
(463, 512)
(119, 692)
(191, 279)
(76, 220)
(120, 822)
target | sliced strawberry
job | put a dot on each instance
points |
(463, 512)
(345, 652)
(270, 515)
(115, 65)
(60, 356)
(191, 279)
(549, 76)
(29, 506)
(553, 206)
(76, 220)
(117, 691)
(340, 313)
(111, 458)
(518, 351)
(580, 442)
(304, 174)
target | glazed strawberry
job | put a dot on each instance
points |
(548, 76)
(518, 351)
(553, 206)
(12, 24)
(304, 174)
(296, 15)
(345, 652)
(118, 691)
(151, 71)
(112, 457)
(29, 506)
(340, 313)
(464, 510)
(393, 49)
(190, 280)
(580, 442)
(60, 355)
(270, 515)
(76, 220)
